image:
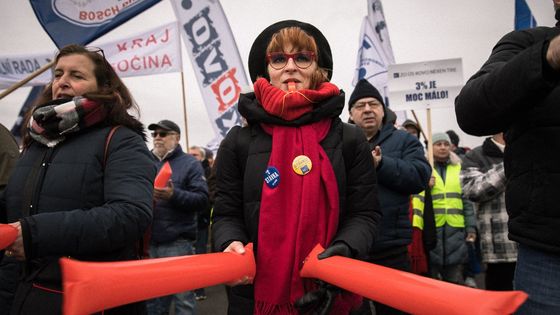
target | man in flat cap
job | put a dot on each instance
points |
(176, 207)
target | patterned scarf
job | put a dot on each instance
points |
(51, 122)
(302, 210)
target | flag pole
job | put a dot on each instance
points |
(183, 93)
(184, 107)
(418, 123)
(30, 77)
(430, 144)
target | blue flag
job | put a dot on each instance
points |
(523, 17)
(81, 22)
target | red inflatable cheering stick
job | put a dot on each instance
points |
(91, 287)
(406, 291)
(8, 235)
(163, 176)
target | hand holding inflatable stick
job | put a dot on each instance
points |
(91, 287)
(8, 235)
(406, 291)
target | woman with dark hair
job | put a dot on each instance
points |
(83, 186)
(288, 181)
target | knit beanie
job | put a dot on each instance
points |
(440, 136)
(257, 55)
(364, 89)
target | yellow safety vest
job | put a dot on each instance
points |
(418, 210)
(448, 206)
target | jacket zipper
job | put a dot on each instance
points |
(39, 181)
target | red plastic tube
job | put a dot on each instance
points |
(163, 176)
(406, 291)
(8, 235)
(91, 287)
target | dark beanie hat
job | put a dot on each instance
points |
(453, 136)
(364, 89)
(257, 55)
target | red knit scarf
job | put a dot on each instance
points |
(292, 104)
(300, 212)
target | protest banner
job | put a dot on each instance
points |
(422, 85)
(215, 59)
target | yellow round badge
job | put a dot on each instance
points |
(302, 165)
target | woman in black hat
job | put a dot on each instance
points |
(288, 181)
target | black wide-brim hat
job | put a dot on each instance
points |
(257, 55)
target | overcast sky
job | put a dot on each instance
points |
(420, 30)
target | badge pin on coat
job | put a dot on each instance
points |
(302, 165)
(272, 177)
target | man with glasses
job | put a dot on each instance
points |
(402, 170)
(174, 227)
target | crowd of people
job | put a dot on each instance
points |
(293, 176)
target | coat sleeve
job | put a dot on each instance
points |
(119, 222)
(192, 195)
(480, 185)
(429, 236)
(470, 219)
(358, 226)
(228, 219)
(408, 173)
(515, 77)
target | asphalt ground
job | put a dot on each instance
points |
(215, 303)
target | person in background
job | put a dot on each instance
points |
(455, 148)
(201, 245)
(422, 217)
(175, 224)
(473, 265)
(412, 128)
(484, 182)
(82, 187)
(288, 180)
(197, 152)
(455, 222)
(402, 170)
(9, 268)
(516, 92)
(209, 160)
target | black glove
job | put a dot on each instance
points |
(319, 301)
(336, 249)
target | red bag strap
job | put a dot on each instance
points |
(107, 142)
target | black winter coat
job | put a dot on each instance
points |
(78, 207)
(517, 92)
(240, 167)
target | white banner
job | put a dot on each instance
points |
(16, 68)
(372, 63)
(421, 85)
(375, 52)
(152, 52)
(215, 59)
(377, 20)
